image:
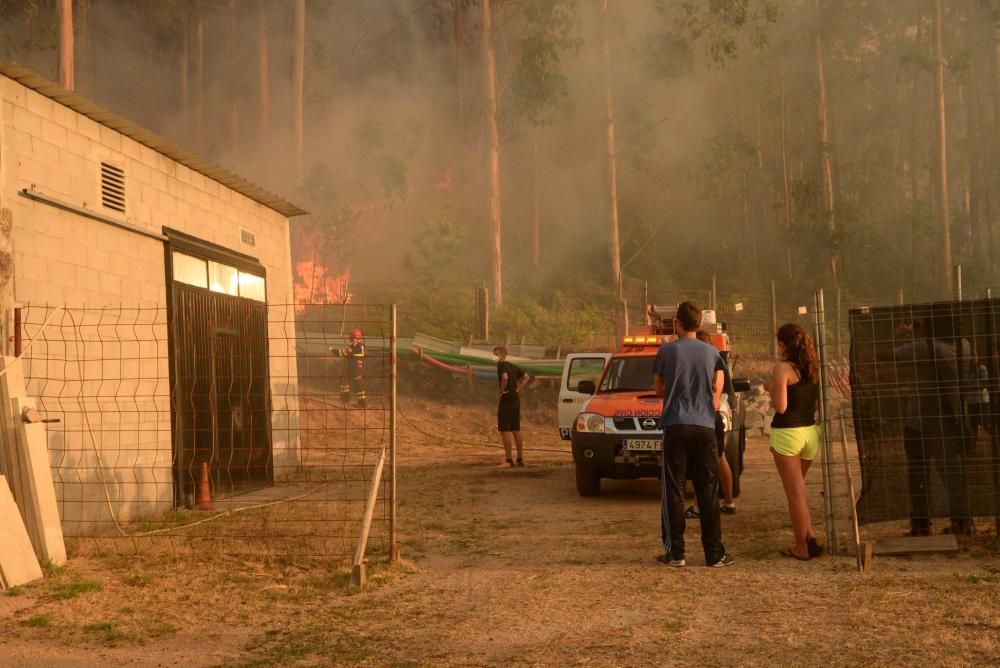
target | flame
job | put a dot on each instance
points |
(314, 284)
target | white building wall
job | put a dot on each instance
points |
(62, 258)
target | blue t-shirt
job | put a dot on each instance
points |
(687, 367)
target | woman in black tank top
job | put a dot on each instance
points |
(794, 436)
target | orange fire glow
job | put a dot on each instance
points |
(315, 285)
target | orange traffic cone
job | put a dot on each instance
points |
(203, 499)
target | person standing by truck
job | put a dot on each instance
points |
(688, 375)
(728, 504)
(512, 380)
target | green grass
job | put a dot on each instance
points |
(108, 632)
(39, 621)
(70, 590)
(15, 591)
(52, 569)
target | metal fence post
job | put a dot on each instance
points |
(393, 540)
(824, 419)
(958, 282)
(774, 321)
(715, 294)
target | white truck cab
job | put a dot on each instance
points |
(578, 366)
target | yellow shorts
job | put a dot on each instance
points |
(802, 442)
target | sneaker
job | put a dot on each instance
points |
(666, 559)
(692, 513)
(520, 462)
(726, 560)
(507, 463)
(727, 508)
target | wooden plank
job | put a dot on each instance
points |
(45, 529)
(866, 557)
(916, 544)
(358, 572)
(11, 385)
(18, 564)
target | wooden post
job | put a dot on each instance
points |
(645, 303)
(358, 572)
(837, 323)
(901, 301)
(17, 332)
(483, 312)
(393, 376)
(774, 321)
(712, 299)
(859, 549)
(958, 282)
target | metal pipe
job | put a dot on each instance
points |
(17, 331)
(393, 541)
(826, 438)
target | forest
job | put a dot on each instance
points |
(562, 152)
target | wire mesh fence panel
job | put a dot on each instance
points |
(917, 396)
(228, 425)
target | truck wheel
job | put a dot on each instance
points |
(735, 444)
(588, 483)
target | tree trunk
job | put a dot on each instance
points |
(616, 262)
(942, 126)
(492, 112)
(234, 116)
(85, 46)
(263, 75)
(184, 67)
(298, 86)
(459, 11)
(66, 45)
(784, 167)
(199, 79)
(824, 152)
(968, 168)
(914, 189)
(536, 213)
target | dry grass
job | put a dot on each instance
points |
(511, 567)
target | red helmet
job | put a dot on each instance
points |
(356, 333)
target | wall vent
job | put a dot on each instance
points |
(113, 187)
(247, 237)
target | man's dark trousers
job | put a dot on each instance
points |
(691, 446)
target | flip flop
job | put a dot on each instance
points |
(815, 549)
(787, 552)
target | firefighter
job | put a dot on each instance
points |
(353, 369)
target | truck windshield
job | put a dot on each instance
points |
(629, 374)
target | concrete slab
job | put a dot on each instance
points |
(18, 564)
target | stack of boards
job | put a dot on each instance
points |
(30, 529)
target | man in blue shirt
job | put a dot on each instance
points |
(688, 375)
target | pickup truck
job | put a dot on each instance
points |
(609, 411)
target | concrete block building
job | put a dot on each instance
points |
(166, 285)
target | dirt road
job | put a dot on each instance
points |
(511, 567)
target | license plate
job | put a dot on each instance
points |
(642, 444)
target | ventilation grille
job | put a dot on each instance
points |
(113, 187)
(247, 237)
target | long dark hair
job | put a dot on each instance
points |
(800, 351)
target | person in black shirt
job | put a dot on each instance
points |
(512, 380)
